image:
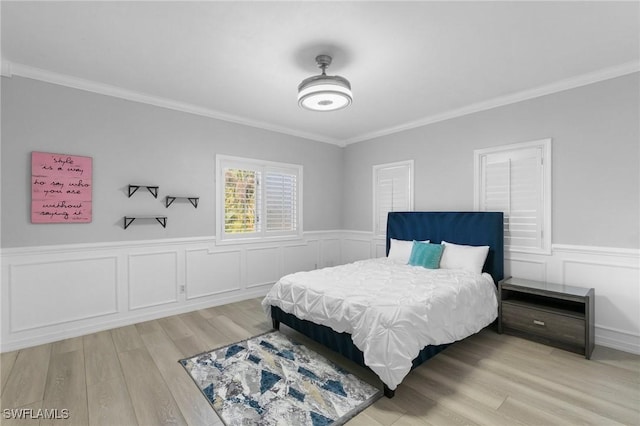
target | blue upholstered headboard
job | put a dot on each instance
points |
(471, 228)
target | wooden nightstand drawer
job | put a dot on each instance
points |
(549, 325)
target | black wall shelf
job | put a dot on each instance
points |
(152, 189)
(171, 198)
(128, 220)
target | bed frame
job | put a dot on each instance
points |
(470, 228)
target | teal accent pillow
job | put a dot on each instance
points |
(426, 255)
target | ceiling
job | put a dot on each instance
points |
(409, 63)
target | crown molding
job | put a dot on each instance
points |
(559, 86)
(10, 69)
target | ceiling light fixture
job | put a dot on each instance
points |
(323, 92)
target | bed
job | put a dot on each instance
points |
(284, 301)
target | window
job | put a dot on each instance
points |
(516, 180)
(257, 199)
(392, 192)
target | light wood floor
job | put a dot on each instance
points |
(130, 376)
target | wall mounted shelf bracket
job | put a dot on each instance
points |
(193, 200)
(152, 189)
(128, 220)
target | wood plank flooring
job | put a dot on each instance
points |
(130, 376)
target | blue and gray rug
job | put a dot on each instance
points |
(270, 380)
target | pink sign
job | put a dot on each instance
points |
(60, 188)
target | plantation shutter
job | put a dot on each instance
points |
(393, 191)
(512, 182)
(281, 201)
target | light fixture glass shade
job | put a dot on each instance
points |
(324, 93)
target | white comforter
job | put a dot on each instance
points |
(391, 310)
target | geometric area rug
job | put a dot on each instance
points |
(271, 380)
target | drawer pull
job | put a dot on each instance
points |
(537, 322)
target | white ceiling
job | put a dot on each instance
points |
(409, 63)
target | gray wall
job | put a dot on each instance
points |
(596, 172)
(595, 151)
(138, 143)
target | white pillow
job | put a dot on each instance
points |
(400, 250)
(469, 258)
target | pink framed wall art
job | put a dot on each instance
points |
(61, 188)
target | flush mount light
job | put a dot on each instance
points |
(324, 92)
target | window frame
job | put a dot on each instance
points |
(546, 187)
(263, 166)
(375, 170)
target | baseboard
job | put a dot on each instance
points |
(617, 339)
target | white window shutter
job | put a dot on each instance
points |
(525, 212)
(281, 201)
(393, 191)
(513, 181)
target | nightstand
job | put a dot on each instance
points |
(554, 314)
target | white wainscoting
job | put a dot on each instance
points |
(614, 274)
(356, 246)
(55, 292)
(211, 272)
(153, 279)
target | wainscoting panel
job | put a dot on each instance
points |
(263, 266)
(210, 273)
(356, 248)
(380, 248)
(530, 268)
(49, 293)
(54, 292)
(300, 257)
(153, 279)
(331, 252)
(616, 310)
(613, 273)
